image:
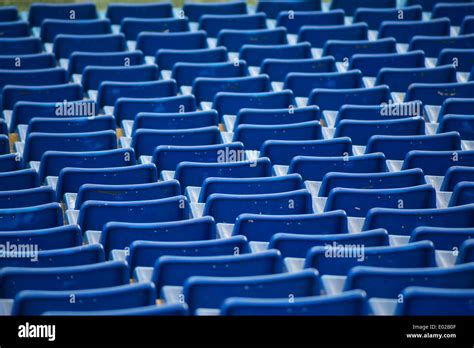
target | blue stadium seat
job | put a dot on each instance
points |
(428, 5)
(66, 44)
(145, 141)
(174, 270)
(78, 61)
(433, 45)
(370, 64)
(39, 12)
(71, 125)
(37, 217)
(254, 55)
(4, 144)
(464, 124)
(258, 227)
(37, 302)
(314, 168)
(274, 8)
(145, 253)
(37, 77)
(194, 11)
(119, 235)
(396, 147)
(211, 292)
(376, 16)
(19, 46)
(14, 29)
(194, 173)
(418, 300)
(455, 175)
(437, 93)
(278, 69)
(3, 127)
(385, 180)
(27, 197)
(235, 39)
(95, 214)
(70, 179)
(119, 193)
(467, 26)
(455, 12)
(344, 49)
(404, 221)
(404, 31)
(13, 280)
(132, 27)
(151, 43)
(349, 6)
(226, 208)
(437, 162)
(50, 28)
(8, 13)
(166, 58)
(28, 61)
(277, 116)
(18, 180)
(456, 106)
(466, 254)
(443, 238)
(462, 59)
(296, 19)
(348, 303)
(318, 35)
(213, 24)
(10, 162)
(463, 193)
(153, 310)
(167, 157)
(116, 12)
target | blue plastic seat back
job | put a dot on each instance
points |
(186, 73)
(283, 151)
(371, 181)
(38, 77)
(26, 197)
(263, 227)
(399, 79)
(348, 303)
(15, 29)
(419, 300)
(455, 175)
(462, 59)
(167, 157)
(235, 39)
(294, 21)
(466, 254)
(314, 168)
(119, 193)
(277, 116)
(463, 193)
(196, 10)
(166, 58)
(95, 214)
(50, 28)
(254, 55)
(228, 103)
(78, 61)
(463, 124)
(317, 35)
(437, 162)
(227, 207)
(467, 26)
(145, 253)
(39, 12)
(70, 124)
(18, 180)
(19, 46)
(250, 186)
(92, 76)
(211, 292)
(117, 12)
(174, 270)
(433, 45)
(71, 179)
(128, 108)
(38, 143)
(303, 83)
(193, 173)
(110, 91)
(376, 16)
(10, 162)
(371, 64)
(178, 120)
(46, 239)
(8, 13)
(153, 310)
(357, 202)
(278, 69)
(100, 275)
(333, 99)
(53, 162)
(28, 61)
(274, 8)
(443, 238)
(343, 49)
(456, 106)
(396, 147)
(145, 141)
(65, 44)
(455, 12)
(4, 144)
(350, 6)
(37, 302)
(3, 127)
(298, 245)
(404, 221)
(213, 24)
(428, 5)
(390, 282)
(404, 31)
(37, 217)
(132, 27)
(75, 256)
(150, 43)
(119, 235)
